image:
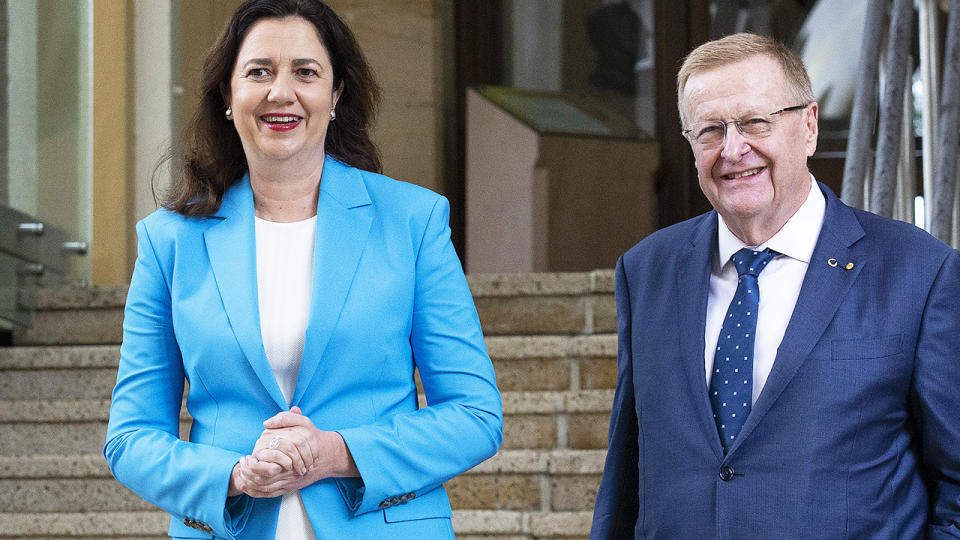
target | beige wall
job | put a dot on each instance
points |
(404, 43)
(112, 248)
(200, 24)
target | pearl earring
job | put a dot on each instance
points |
(229, 113)
(333, 115)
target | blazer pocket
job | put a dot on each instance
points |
(865, 349)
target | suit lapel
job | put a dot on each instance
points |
(344, 215)
(824, 288)
(232, 249)
(692, 291)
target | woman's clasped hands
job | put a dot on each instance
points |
(290, 454)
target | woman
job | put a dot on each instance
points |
(297, 290)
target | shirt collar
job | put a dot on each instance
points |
(796, 239)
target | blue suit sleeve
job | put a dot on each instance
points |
(462, 424)
(937, 398)
(143, 447)
(616, 511)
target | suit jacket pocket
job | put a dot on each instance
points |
(866, 348)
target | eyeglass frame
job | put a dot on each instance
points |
(736, 122)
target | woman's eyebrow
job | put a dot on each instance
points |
(258, 62)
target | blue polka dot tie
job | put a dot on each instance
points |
(731, 386)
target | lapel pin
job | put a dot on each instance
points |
(832, 262)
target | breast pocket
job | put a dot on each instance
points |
(863, 370)
(865, 348)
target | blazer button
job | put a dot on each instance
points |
(726, 473)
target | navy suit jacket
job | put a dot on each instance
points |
(389, 296)
(856, 433)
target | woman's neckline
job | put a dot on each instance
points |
(281, 223)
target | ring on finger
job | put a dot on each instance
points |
(274, 443)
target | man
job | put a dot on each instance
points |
(805, 387)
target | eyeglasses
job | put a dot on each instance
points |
(712, 134)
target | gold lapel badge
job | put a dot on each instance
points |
(833, 263)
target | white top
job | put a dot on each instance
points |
(779, 284)
(284, 286)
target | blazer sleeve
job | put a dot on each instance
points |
(937, 398)
(616, 511)
(413, 453)
(143, 448)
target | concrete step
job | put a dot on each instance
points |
(522, 363)
(550, 362)
(564, 420)
(533, 420)
(75, 315)
(528, 480)
(57, 427)
(546, 303)
(51, 483)
(469, 525)
(65, 372)
(113, 525)
(531, 480)
(519, 525)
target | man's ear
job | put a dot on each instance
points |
(811, 115)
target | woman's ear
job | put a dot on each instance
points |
(225, 94)
(336, 94)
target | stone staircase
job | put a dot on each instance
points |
(552, 340)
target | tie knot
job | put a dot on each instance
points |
(752, 262)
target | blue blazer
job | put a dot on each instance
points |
(856, 433)
(389, 297)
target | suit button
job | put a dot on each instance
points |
(726, 473)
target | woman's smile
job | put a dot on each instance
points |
(281, 122)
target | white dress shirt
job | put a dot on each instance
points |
(284, 287)
(779, 284)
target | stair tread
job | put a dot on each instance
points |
(542, 283)
(528, 284)
(537, 346)
(504, 347)
(84, 523)
(73, 297)
(538, 523)
(59, 356)
(151, 522)
(96, 409)
(522, 461)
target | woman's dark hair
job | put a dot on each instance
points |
(211, 153)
